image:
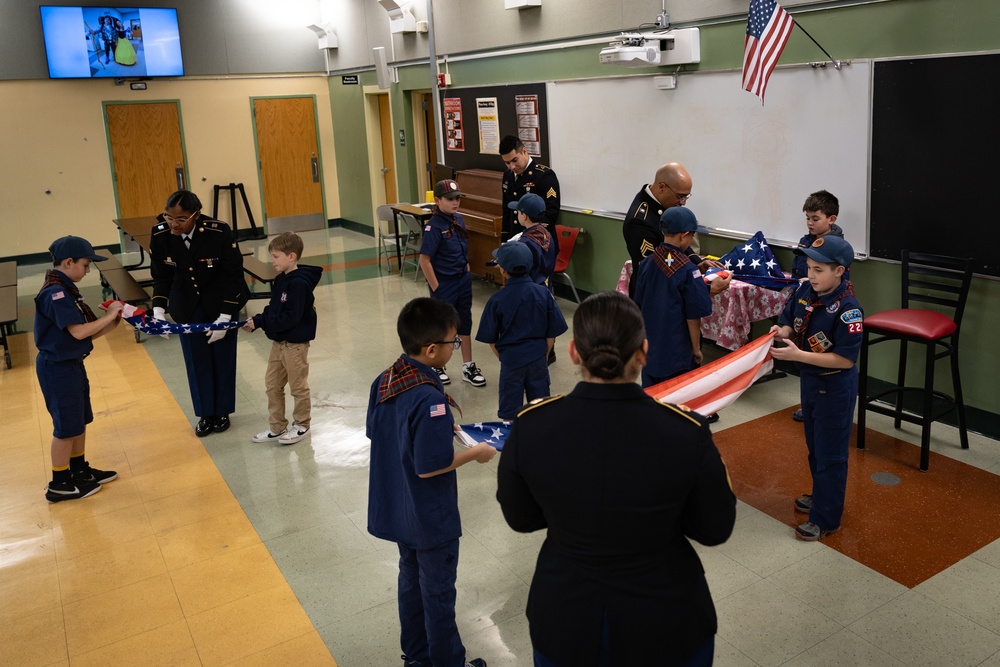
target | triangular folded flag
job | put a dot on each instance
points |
(753, 262)
(709, 388)
(492, 433)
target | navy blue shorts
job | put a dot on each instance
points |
(66, 390)
(457, 290)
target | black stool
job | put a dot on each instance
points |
(934, 279)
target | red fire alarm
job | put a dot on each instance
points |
(444, 79)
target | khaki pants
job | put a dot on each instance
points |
(288, 364)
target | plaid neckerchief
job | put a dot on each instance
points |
(800, 335)
(668, 261)
(454, 227)
(58, 278)
(402, 376)
(538, 235)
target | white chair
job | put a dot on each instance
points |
(389, 243)
(414, 235)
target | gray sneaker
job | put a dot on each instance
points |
(804, 503)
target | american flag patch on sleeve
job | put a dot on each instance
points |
(438, 410)
(427, 228)
(58, 295)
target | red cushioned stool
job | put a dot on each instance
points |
(942, 281)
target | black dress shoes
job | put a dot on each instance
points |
(204, 427)
(220, 424)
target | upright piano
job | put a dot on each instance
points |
(482, 209)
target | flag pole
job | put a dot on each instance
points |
(836, 63)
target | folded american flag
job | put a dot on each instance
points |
(492, 433)
(156, 327)
(753, 262)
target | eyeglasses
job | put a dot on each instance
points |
(456, 344)
(170, 218)
(681, 198)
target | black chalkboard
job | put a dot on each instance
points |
(471, 158)
(936, 159)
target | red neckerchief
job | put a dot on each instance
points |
(664, 252)
(403, 376)
(453, 223)
(800, 335)
(57, 278)
(539, 236)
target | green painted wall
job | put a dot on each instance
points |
(896, 28)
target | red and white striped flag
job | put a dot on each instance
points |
(768, 29)
(711, 387)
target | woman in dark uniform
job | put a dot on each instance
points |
(621, 481)
(198, 277)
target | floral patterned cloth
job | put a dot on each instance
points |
(735, 309)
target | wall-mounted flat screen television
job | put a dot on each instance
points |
(116, 42)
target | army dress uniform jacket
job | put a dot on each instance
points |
(621, 481)
(209, 274)
(543, 182)
(641, 230)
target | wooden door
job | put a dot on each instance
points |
(431, 132)
(147, 155)
(388, 155)
(288, 158)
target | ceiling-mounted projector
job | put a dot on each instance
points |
(632, 49)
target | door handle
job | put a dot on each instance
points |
(385, 170)
(179, 173)
(315, 169)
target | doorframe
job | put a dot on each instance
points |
(256, 151)
(111, 157)
(421, 150)
(373, 134)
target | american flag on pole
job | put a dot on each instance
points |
(716, 385)
(768, 29)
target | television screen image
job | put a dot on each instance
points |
(113, 42)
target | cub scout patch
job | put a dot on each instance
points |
(833, 307)
(819, 342)
(851, 316)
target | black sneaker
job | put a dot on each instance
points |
(804, 503)
(94, 476)
(797, 415)
(441, 374)
(473, 375)
(71, 490)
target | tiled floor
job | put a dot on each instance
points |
(221, 551)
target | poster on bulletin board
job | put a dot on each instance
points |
(489, 125)
(526, 109)
(453, 123)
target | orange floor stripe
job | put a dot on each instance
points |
(908, 532)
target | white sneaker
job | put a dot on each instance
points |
(472, 374)
(442, 375)
(267, 436)
(293, 435)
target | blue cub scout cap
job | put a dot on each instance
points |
(73, 247)
(679, 219)
(530, 204)
(514, 258)
(829, 250)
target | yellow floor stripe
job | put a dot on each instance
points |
(162, 566)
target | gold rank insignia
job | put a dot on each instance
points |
(646, 248)
(551, 193)
(234, 245)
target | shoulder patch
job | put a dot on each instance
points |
(681, 411)
(162, 227)
(851, 316)
(538, 402)
(212, 226)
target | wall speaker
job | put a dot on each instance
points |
(382, 68)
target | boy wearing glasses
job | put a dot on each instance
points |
(413, 487)
(520, 323)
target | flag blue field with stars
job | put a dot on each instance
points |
(753, 262)
(492, 433)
